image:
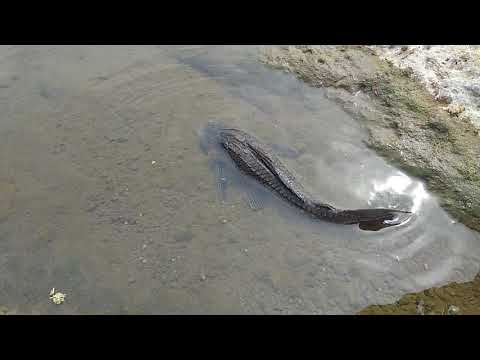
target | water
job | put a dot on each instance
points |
(106, 196)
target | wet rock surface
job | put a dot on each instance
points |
(449, 72)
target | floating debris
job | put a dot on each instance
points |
(57, 297)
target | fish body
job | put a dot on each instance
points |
(257, 160)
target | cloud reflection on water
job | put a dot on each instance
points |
(399, 192)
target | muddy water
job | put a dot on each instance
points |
(106, 196)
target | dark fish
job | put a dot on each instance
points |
(257, 160)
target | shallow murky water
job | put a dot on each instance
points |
(106, 196)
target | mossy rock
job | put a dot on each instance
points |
(3, 310)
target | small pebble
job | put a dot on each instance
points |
(452, 309)
(425, 266)
(144, 246)
(421, 307)
(397, 258)
(203, 277)
(126, 222)
(144, 261)
(153, 162)
(224, 221)
(246, 250)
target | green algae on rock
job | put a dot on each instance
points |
(451, 299)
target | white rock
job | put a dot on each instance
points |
(452, 309)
